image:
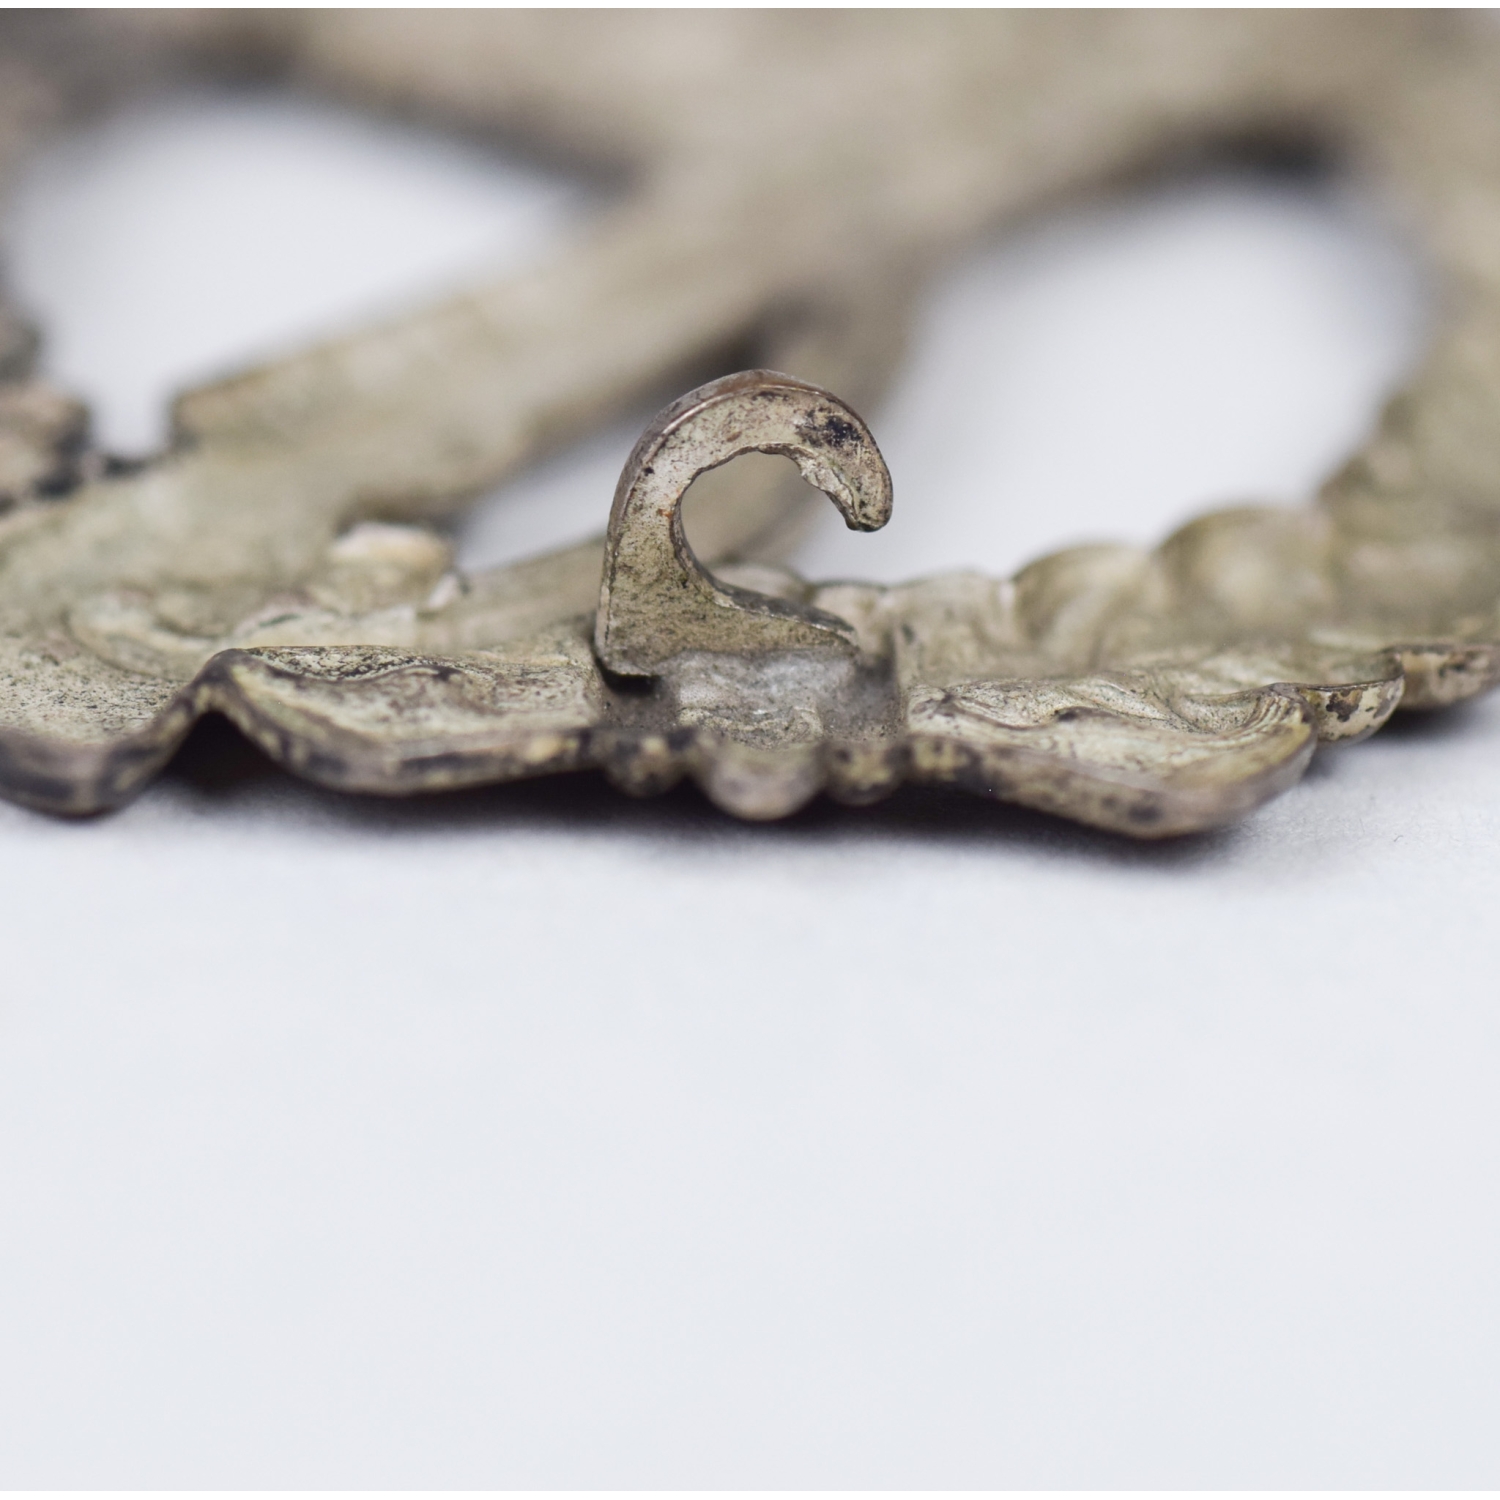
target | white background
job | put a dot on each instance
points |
(540, 1137)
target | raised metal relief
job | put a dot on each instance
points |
(1098, 684)
(279, 564)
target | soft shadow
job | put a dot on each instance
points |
(217, 764)
(1424, 728)
(1432, 726)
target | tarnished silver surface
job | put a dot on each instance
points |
(791, 178)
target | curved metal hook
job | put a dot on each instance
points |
(656, 601)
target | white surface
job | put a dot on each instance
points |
(200, 233)
(541, 1137)
(1110, 373)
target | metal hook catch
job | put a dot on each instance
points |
(656, 601)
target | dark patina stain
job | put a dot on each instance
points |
(1343, 705)
(841, 433)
